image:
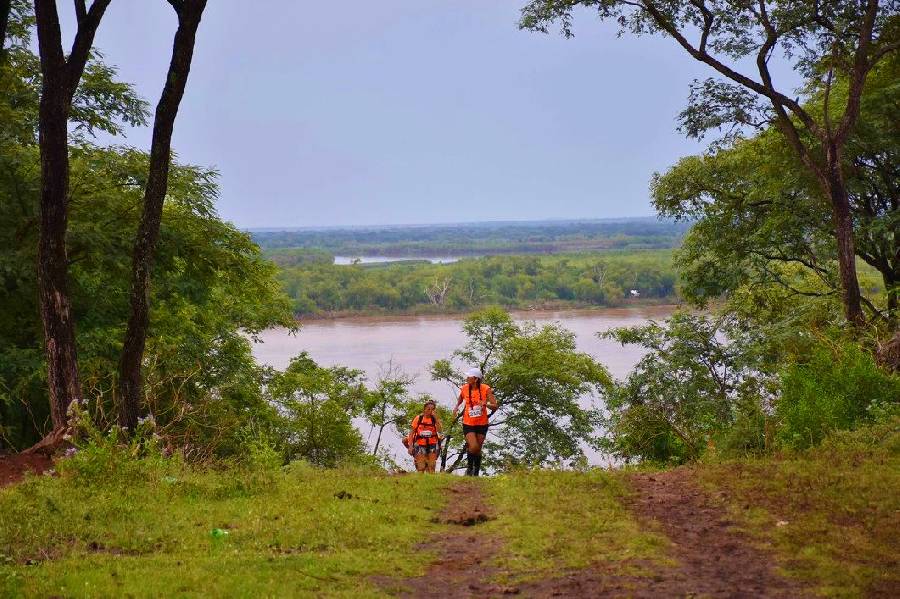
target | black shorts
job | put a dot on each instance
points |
(478, 429)
(425, 449)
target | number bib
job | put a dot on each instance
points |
(475, 411)
(425, 434)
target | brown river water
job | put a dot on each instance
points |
(413, 343)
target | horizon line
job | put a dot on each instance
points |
(267, 229)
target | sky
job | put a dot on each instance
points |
(410, 111)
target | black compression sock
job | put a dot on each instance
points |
(470, 464)
(477, 469)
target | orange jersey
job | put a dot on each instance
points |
(423, 431)
(475, 414)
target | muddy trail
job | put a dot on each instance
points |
(714, 559)
(711, 558)
(465, 555)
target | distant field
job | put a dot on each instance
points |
(475, 239)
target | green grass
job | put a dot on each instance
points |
(554, 521)
(111, 526)
(144, 530)
(839, 508)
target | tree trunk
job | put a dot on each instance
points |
(893, 296)
(5, 8)
(130, 378)
(842, 219)
(378, 440)
(56, 312)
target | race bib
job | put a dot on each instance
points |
(475, 411)
(425, 434)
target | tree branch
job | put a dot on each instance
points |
(80, 10)
(773, 95)
(826, 100)
(81, 46)
(883, 51)
(784, 121)
(707, 23)
(861, 66)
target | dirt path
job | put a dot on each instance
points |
(13, 467)
(714, 559)
(465, 555)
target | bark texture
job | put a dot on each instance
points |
(60, 79)
(5, 8)
(843, 233)
(130, 376)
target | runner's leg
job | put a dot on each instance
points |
(420, 461)
(479, 439)
(471, 449)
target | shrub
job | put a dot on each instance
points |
(836, 388)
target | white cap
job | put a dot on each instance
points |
(474, 372)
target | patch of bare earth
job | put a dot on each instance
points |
(463, 567)
(14, 467)
(714, 559)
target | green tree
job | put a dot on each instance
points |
(61, 75)
(757, 211)
(545, 388)
(189, 13)
(212, 285)
(386, 406)
(827, 42)
(696, 381)
(316, 406)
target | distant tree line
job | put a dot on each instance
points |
(513, 281)
(482, 238)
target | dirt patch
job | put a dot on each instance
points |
(609, 581)
(14, 467)
(466, 507)
(465, 555)
(714, 559)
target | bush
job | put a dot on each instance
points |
(699, 385)
(836, 388)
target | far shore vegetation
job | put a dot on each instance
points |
(586, 280)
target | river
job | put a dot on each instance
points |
(345, 260)
(413, 343)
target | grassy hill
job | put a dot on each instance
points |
(824, 521)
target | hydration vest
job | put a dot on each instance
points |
(425, 433)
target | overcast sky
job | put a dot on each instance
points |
(410, 111)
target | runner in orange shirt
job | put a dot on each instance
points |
(424, 438)
(478, 399)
